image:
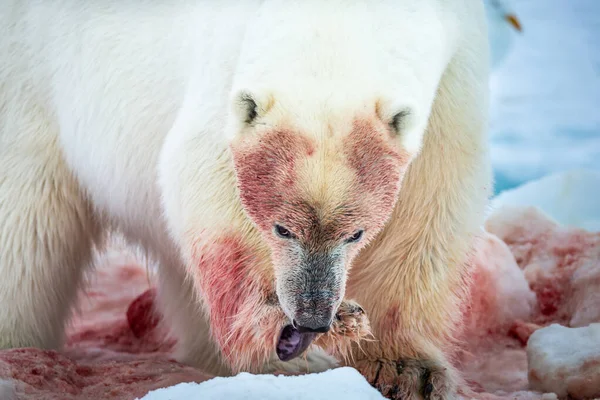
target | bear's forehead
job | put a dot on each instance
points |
(327, 184)
(359, 146)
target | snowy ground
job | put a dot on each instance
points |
(570, 197)
(546, 96)
(340, 383)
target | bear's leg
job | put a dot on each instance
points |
(406, 361)
(414, 308)
(46, 234)
(417, 374)
(186, 318)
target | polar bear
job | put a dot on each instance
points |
(291, 165)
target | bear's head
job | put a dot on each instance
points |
(318, 192)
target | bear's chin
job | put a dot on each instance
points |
(292, 343)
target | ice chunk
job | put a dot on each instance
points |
(500, 294)
(565, 361)
(560, 264)
(570, 198)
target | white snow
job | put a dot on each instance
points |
(7, 390)
(565, 361)
(340, 383)
(546, 94)
(501, 34)
(571, 198)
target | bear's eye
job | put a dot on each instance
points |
(283, 232)
(355, 237)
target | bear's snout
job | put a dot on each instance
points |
(310, 326)
(314, 311)
(311, 291)
(316, 319)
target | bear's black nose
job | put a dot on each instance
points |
(312, 328)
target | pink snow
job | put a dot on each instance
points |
(528, 273)
(562, 269)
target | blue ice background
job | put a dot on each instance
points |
(545, 106)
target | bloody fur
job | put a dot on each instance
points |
(245, 320)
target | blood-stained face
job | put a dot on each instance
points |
(317, 202)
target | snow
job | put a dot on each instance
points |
(565, 361)
(501, 34)
(49, 375)
(340, 383)
(560, 264)
(501, 293)
(7, 390)
(546, 94)
(571, 198)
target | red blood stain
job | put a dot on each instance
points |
(522, 330)
(379, 168)
(387, 326)
(49, 375)
(141, 315)
(118, 336)
(392, 317)
(549, 298)
(266, 173)
(137, 333)
(52, 371)
(553, 289)
(228, 273)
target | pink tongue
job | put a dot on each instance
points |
(292, 343)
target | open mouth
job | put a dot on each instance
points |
(292, 343)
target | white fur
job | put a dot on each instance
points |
(117, 115)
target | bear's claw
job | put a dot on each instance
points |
(350, 326)
(409, 379)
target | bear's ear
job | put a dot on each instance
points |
(399, 121)
(246, 106)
